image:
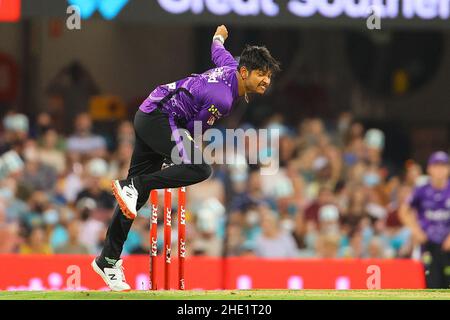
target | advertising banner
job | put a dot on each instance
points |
(73, 272)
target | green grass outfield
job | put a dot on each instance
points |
(232, 295)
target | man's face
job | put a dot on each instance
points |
(258, 81)
(83, 123)
(438, 171)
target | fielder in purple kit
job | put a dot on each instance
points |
(164, 123)
(427, 213)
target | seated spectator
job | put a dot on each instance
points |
(376, 249)
(36, 242)
(9, 239)
(37, 175)
(92, 231)
(97, 169)
(73, 245)
(274, 243)
(50, 154)
(304, 236)
(83, 142)
(208, 222)
(43, 123)
(329, 220)
(125, 133)
(16, 128)
(235, 239)
(355, 248)
(327, 246)
(325, 196)
(121, 161)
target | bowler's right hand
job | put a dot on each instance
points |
(222, 31)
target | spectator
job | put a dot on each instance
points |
(43, 123)
(329, 197)
(97, 170)
(73, 245)
(274, 243)
(121, 161)
(325, 196)
(327, 246)
(36, 242)
(83, 143)
(37, 175)
(125, 133)
(304, 236)
(9, 240)
(355, 247)
(49, 153)
(235, 239)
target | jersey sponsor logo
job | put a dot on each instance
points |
(214, 75)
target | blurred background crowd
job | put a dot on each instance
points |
(334, 195)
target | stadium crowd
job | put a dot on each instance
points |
(333, 196)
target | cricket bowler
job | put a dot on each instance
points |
(165, 122)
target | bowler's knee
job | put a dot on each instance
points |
(203, 171)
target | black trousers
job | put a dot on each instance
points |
(437, 266)
(156, 144)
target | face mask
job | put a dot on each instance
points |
(252, 218)
(343, 125)
(51, 217)
(371, 179)
(287, 224)
(6, 194)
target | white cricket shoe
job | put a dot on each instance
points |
(114, 277)
(127, 197)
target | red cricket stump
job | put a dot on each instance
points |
(181, 236)
(153, 239)
(167, 236)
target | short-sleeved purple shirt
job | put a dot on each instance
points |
(433, 209)
(202, 97)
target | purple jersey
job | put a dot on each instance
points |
(202, 97)
(433, 209)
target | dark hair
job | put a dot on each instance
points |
(258, 58)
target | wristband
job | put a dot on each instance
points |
(219, 37)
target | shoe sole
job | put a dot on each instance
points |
(123, 207)
(103, 276)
